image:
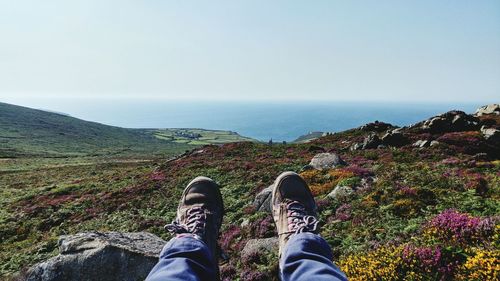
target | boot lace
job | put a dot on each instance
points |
(194, 223)
(298, 220)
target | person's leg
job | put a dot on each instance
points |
(191, 255)
(307, 256)
(184, 258)
(304, 255)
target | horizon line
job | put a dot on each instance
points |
(12, 99)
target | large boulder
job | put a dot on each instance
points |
(101, 256)
(258, 246)
(262, 200)
(452, 121)
(488, 109)
(323, 161)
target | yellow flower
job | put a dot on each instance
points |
(483, 265)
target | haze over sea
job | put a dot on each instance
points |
(260, 120)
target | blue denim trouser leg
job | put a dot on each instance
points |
(184, 258)
(308, 257)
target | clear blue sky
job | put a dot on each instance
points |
(379, 50)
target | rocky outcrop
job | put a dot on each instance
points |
(371, 141)
(262, 200)
(377, 127)
(488, 109)
(452, 121)
(394, 138)
(258, 246)
(323, 161)
(100, 256)
(491, 134)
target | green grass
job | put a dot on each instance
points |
(26, 132)
(36, 234)
(309, 137)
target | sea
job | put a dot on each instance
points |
(279, 121)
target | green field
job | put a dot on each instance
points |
(198, 136)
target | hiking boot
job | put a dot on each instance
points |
(200, 213)
(294, 208)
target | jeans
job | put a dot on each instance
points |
(307, 256)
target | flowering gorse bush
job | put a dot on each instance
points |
(321, 182)
(483, 265)
(410, 262)
(445, 251)
(381, 264)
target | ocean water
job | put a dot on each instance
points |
(259, 120)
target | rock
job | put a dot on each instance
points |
(371, 141)
(434, 143)
(257, 246)
(452, 121)
(491, 134)
(422, 143)
(366, 183)
(262, 200)
(356, 146)
(488, 109)
(341, 192)
(394, 138)
(323, 161)
(101, 256)
(481, 156)
(376, 127)
(245, 222)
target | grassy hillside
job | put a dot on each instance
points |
(309, 137)
(415, 213)
(26, 132)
